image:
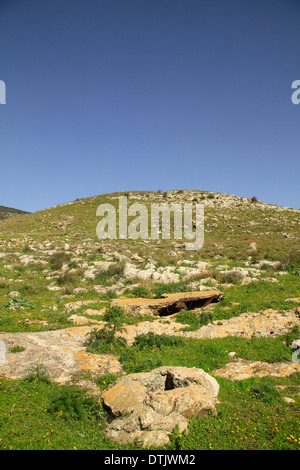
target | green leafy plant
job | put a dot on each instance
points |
(71, 403)
(18, 302)
(151, 340)
(189, 317)
(39, 374)
(160, 289)
(57, 260)
(17, 349)
(266, 392)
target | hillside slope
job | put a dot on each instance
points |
(232, 225)
(83, 310)
(7, 212)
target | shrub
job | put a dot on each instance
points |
(116, 269)
(232, 277)
(114, 315)
(67, 278)
(151, 340)
(138, 291)
(291, 261)
(17, 349)
(72, 403)
(27, 249)
(160, 289)
(206, 317)
(58, 259)
(39, 374)
(104, 341)
(266, 392)
(189, 317)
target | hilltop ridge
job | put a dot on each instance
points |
(7, 212)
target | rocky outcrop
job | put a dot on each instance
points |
(242, 369)
(269, 323)
(169, 303)
(61, 353)
(146, 407)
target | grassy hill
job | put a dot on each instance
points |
(231, 224)
(55, 273)
(7, 212)
(55, 253)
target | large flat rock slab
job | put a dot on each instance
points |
(169, 303)
(61, 353)
(243, 369)
(268, 323)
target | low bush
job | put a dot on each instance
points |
(151, 340)
(231, 277)
(266, 392)
(67, 278)
(189, 317)
(114, 315)
(104, 341)
(160, 289)
(39, 374)
(19, 302)
(107, 277)
(57, 260)
(71, 403)
(138, 291)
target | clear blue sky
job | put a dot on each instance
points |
(117, 95)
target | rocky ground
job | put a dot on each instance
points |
(57, 282)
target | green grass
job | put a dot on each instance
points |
(258, 296)
(206, 354)
(40, 415)
(251, 416)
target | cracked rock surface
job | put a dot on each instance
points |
(145, 407)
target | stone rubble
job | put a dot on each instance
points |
(147, 406)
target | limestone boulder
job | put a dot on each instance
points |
(147, 406)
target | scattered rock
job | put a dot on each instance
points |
(288, 400)
(14, 293)
(295, 344)
(82, 320)
(26, 259)
(269, 323)
(243, 369)
(294, 299)
(77, 305)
